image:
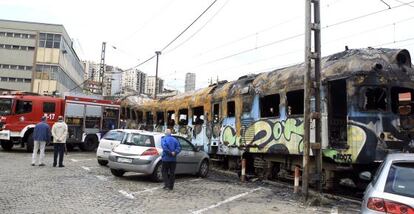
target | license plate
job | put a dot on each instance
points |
(125, 160)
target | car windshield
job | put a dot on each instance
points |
(137, 139)
(114, 135)
(400, 179)
(5, 106)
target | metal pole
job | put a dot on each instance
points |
(102, 67)
(156, 75)
(307, 86)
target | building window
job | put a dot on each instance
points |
(49, 40)
(12, 79)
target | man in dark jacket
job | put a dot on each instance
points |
(41, 135)
(170, 149)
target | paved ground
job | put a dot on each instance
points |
(85, 187)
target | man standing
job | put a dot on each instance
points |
(59, 133)
(41, 135)
(170, 149)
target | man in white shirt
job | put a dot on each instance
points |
(59, 133)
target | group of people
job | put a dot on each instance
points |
(42, 135)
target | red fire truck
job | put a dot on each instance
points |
(87, 118)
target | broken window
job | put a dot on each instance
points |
(160, 118)
(128, 113)
(150, 119)
(402, 100)
(134, 115)
(295, 101)
(216, 112)
(231, 109)
(140, 116)
(269, 105)
(183, 117)
(375, 99)
(198, 115)
(170, 118)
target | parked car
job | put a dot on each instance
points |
(111, 139)
(140, 152)
(392, 188)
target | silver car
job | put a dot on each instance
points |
(392, 188)
(140, 152)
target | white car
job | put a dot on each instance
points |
(111, 139)
(392, 188)
(140, 151)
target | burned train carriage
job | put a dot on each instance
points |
(367, 112)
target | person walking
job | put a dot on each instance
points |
(170, 149)
(41, 136)
(59, 133)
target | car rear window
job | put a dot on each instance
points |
(400, 179)
(139, 140)
(114, 135)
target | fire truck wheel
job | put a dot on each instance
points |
(30, 143)
(6, 145)
(90, 144)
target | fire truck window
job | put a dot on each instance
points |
(183, 117)
(23, 107)
(198, 115)
(295, 102)
(5, 106)
(269, 105)
(231, 109)
(49, 107)
(375, 99)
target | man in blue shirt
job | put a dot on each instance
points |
(170, 149)
(41, 136)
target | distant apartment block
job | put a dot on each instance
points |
(133, 82)
(150, 85)
(112, 79)
(190, 79)
(38, 57)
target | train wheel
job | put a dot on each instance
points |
(90, 144)
(6, 145)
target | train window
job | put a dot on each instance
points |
(401, 100)
(49, 107)
(216, 112)
(140, 116)
(150, 119)
(171, 118)
(295, 103)
(269, 105)
(231, 109)
(134, 115)
(128, 113)
(198, 115)
(160, 118)
(183, 117)
(375, 99)
(23, 106)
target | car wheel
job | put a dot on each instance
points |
(117, 172)
(90, 144)
(157, 173)
(102, 162)
(30, 143)
(6, 145)
(204, 168)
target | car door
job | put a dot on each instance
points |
(186, 159)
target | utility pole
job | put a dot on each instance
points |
(102, 68)
(312, 87)
(158, 53)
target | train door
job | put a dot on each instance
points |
(337, 114)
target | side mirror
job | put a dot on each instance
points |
(197, 149)
(365, 176)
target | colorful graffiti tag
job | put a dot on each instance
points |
(270, 136)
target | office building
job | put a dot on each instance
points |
(150, 85)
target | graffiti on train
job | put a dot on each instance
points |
(270, 136)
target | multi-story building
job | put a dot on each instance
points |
(133, 80)
(112, 79)
(38, 57)
(190, 79)
(150, 85)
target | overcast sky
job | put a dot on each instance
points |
(234, 37)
